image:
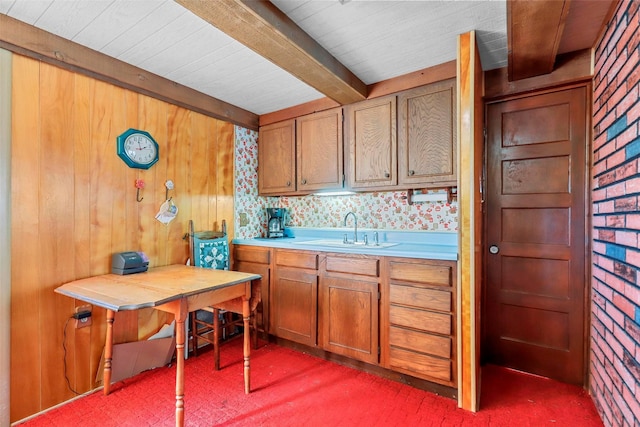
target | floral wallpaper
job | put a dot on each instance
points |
(378, 210)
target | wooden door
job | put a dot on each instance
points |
(319, 151)
(536, 287)
(427, 135)
(277, 158)
(372, 144)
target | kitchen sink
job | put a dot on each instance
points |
(337, 243)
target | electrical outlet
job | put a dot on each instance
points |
(84, 320)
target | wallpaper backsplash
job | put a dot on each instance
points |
(380, 210)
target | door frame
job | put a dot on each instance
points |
(587, 84)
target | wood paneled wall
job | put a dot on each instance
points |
(74, 204)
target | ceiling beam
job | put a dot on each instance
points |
(27, 40)
(266, 30)
(534, 31)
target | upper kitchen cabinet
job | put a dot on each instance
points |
(277, 158)
(371, 139)
(427, 136)
(319, 151)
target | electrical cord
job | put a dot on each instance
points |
(64, 348)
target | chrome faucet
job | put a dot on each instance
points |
(355, 227)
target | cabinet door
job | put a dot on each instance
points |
(349, 317)
(276, 158)
(427, 135)
(319, 151)
(372, 143)
(294, 305)
(262, 309)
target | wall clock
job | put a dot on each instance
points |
(138, 149)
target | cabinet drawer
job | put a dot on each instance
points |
(431, 274)
(433, 299)
(429, 321)
(252, 254)
(421, 364)
(299, 259)
(362, 266)
(419, 341)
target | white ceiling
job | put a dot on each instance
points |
(376, 40)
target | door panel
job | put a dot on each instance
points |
(536, 189)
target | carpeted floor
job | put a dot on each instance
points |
(295, 389)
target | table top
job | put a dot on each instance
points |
(152, 288)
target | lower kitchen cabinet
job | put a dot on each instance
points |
(420, 325)
(294, 296)
(256, 260)
(348, 314)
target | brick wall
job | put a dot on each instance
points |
(615, 308)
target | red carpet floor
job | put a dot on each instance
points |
(294, 389)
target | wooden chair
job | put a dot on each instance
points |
(211, 250)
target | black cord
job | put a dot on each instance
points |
(64, 347)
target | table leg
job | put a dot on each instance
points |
(108, 352)
(246, 313)
(180, 342)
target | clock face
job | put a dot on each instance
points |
(137, 149)
(140, 149)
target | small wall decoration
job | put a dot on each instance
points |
(137, 149)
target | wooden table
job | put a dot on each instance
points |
(176, 289)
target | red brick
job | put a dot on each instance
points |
(623, 42)
(607, 235)
(632, 401)
(615, 190)
(628, 101)
(633, 221)
(626, 170)
(627, 238)
(632, 329)
(616, 159)
(607, 178)
(632, 292)
(598, 221)
(632, 11)
(617, 285)
(633, 78)
(616, 221)
(626, 204)
(616, 66)
(632, 365)
(598, 168)
(618, 318)
(635, 110)
(605, 263)
(606, 206)
(624, 305)
(629, 135)
(633, 257)
(600, 140)
(599, 247)
(626, 272)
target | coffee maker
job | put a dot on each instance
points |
(276, 218)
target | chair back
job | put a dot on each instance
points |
(211, 250)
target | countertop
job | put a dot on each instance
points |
(406, 244)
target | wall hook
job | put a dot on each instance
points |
(139, 186)
(169, 185)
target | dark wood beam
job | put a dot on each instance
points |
(534, 31)
(266, 30)
(27, 40)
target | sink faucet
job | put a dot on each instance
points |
(355, 227)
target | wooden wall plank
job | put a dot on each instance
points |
(224, 192)
(74, 204)
(55, 225)
(25, 289)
